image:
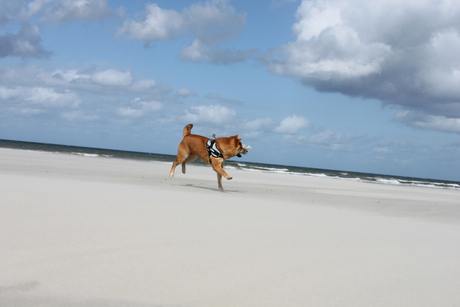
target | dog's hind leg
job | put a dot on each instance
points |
(192, 157)
(182, 155)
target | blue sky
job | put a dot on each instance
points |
(369, 86)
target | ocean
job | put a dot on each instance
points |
(247, 166)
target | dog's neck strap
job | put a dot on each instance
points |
(212, 149)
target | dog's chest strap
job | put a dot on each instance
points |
(213, 150)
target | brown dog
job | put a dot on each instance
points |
(212, 153)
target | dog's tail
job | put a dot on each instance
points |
(187, 129)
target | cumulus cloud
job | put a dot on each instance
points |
(292, 124)
(402, 53)
(139, 108)
(111, 81)
(158, 24)
(38, 96)
(9, 10)
(129, 112)
(112, 77)
(212, 96)
(37, 90)
(253, 129)
(144, 84)
(214, 114)
(431, 122)
(258, 124)
(26, 44)
(184, 92)
(210, 23)
(63, 11)
(201, 52)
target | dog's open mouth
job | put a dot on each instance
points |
(243, 150)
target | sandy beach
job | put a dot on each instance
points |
(92, 231)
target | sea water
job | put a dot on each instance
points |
(247, 166)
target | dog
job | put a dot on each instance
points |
(212, 152)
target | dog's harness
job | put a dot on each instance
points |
(212, 149)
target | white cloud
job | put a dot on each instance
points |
(35, 89)
(9, 10)
(292, 124)
(196, 51)
(328, 47)
(422, 121)
(151, 106)
(110, 82)
(62, 11)
(38, 96)
(215, 114)
(251, 134)
(129, 112)
(26, 44)
(158, 24)
(255, 128)
(112, 77)
(210, 23)
(399, 52)
(33, 8)
(258, 124)
(212, 96)
(186, 92)
(144, 85)
(139, 108)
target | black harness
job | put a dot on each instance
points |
(212, 149)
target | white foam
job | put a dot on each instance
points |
(85, 154)
(387, 181)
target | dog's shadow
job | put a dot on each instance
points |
(208, 188)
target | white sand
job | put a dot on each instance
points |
(88, 231)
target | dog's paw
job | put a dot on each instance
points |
(229, 178)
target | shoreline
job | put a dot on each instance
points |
(236, 164)
(89, 231)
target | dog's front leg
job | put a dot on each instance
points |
(219, 182)
(217, 164)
